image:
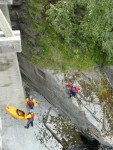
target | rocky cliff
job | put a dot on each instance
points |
(90, 110)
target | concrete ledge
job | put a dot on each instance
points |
(0, 134)
(6, 1)
(15, 32)
(10, 44)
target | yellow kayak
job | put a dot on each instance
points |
(17, 113)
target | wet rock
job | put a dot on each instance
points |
(81, 147)
(102, 147)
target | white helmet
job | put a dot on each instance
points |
(31, 96)
(74, 85)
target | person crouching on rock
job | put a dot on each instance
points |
(74, 90)
(30, 118)
(31, 101)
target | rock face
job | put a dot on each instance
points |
(85, 110)
(18, 2)
(82, 147)
(109, 74)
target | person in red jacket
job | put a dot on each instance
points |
(31, 115)
(74, 88)
(31, 101)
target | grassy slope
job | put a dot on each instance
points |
(54, 52)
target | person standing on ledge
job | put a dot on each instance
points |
(30, 118)
(31, 101)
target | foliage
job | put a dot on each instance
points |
(85, 23)
(72, 32)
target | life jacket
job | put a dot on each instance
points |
(32, 116)
(30, 102)
(77, 87)
(69, 85)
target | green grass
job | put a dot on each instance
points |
(55, 53)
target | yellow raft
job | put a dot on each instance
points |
(17, 113)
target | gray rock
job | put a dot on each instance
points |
(109, 74)
(18, 2)
(46, 83)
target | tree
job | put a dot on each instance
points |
(84, 23)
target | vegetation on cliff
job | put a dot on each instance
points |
(70, 33)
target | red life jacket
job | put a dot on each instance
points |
(77, 87)
(30, 102)
(69, 85)
(32, 116)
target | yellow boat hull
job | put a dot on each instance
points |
(16, 113)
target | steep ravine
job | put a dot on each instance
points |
(91, 111)
(88, 111)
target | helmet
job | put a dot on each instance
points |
(32, 110)
(74, 85)
(31, 96)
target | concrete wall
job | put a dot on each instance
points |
(10, 83)
(6, 1)
(11, 89)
